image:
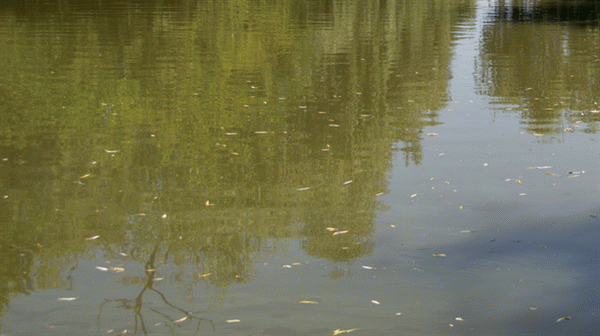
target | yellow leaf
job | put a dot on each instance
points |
(339, 331)
(203, 275)
(181, 319)
(84, 176)
(308, 302)
(439, 255)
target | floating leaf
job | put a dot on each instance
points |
(368, 267)
(340, 331)
(302, 189)
(340, 232)
(103, 269)
(540, 167)
(468, 231)
(544, 246)
(308, 302)
(287, 266)
(375, 302)
(203, 275)
(181, 319)
(565, 318)
(116, 269)
(347, 182)
(67, 299)
(439, 255)
(92, 238)
(413, 195)
(459, 318)
(233, 321)
(84, 176)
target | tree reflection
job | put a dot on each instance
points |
(139, 308)
(184, 147)
(550, 73)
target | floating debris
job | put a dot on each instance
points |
(92, 238)
(347, 182)
(368, 267)
(67, 299)
(233, 321)
(375, 302)
(308, 302)
(84, 176)
(540, 167)
(181, 319)
(438, 255)
(302, 189)
(565, 318)
(340, 331)
(340, 232)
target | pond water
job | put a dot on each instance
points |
(294, 167)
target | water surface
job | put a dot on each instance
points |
(295, 168)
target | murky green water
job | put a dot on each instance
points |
(298, 167)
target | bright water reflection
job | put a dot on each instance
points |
(238, 158)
